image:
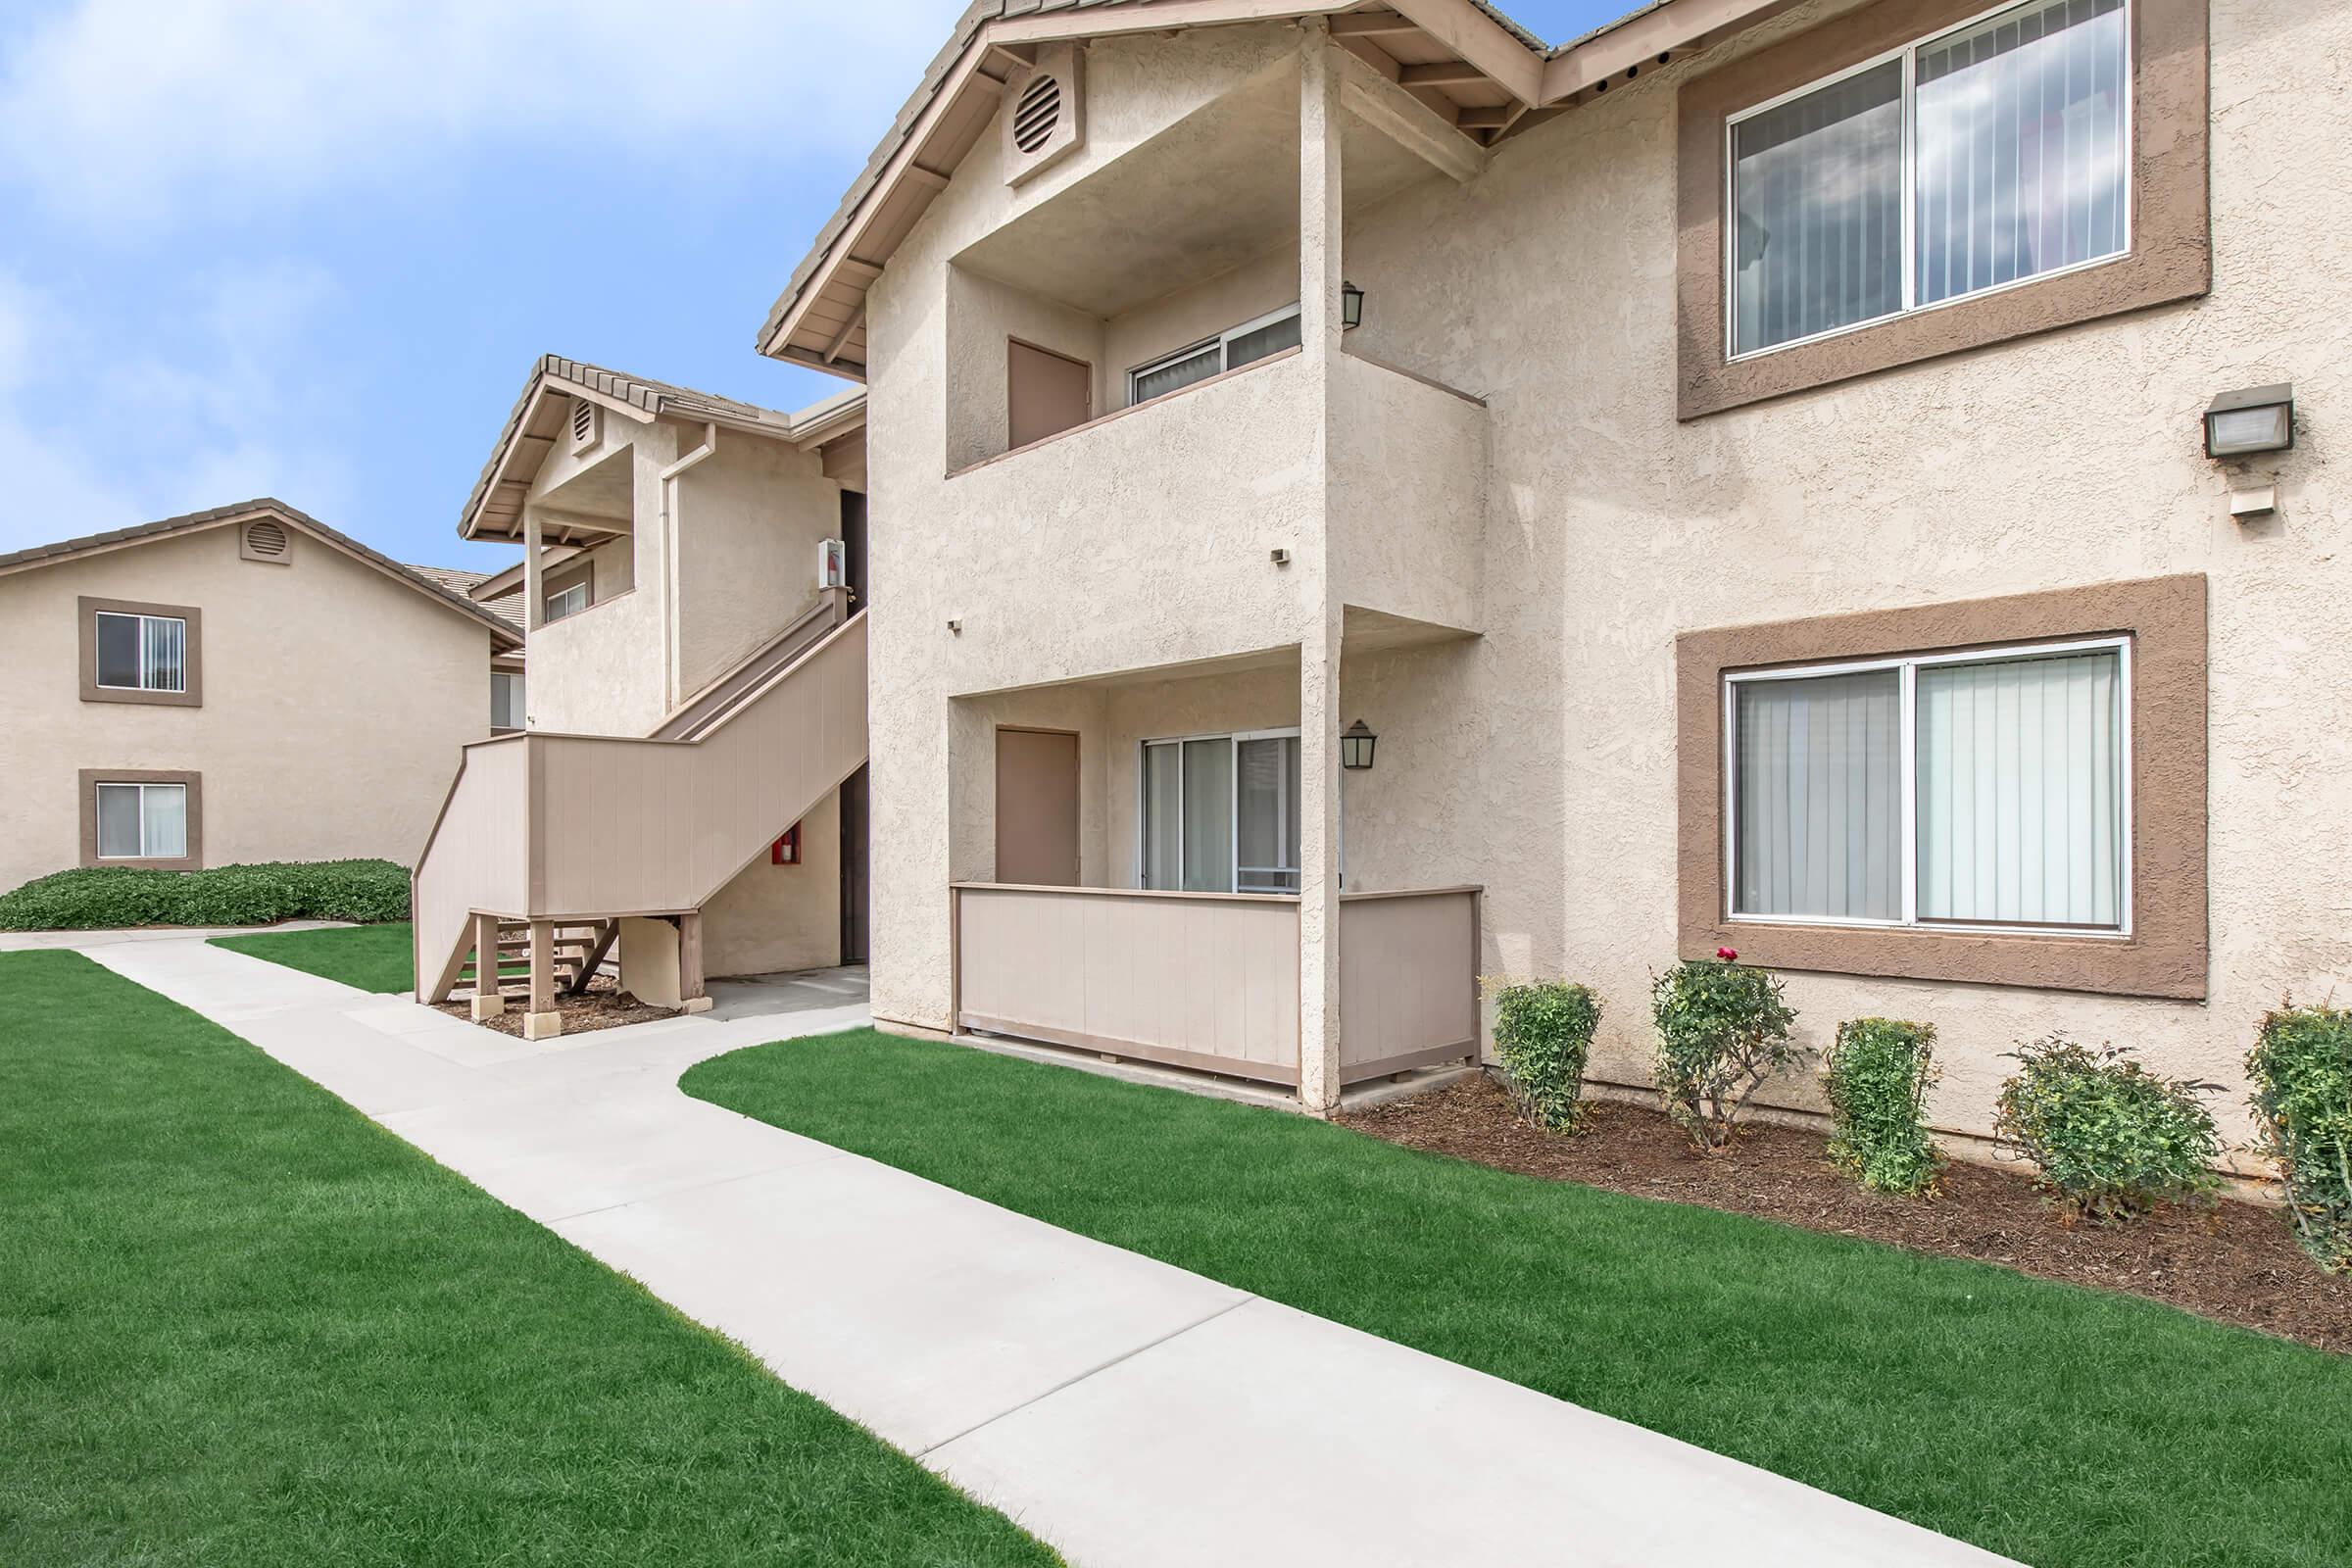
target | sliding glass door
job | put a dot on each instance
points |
(1220, 814)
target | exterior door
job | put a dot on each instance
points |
(1037, 807)
(1046, 393)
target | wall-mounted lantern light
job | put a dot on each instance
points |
(1355, 746)
(1352, 314)
(2259, 419)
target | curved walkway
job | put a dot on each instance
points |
(1126, 1411)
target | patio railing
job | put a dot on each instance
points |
(1210, 980)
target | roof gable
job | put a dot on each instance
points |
(64, 550)
(1457, 57)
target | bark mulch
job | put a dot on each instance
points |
(602, 1005)
(2228, 1261)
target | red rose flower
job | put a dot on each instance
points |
(1728, 954)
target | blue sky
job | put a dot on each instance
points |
(311, 250)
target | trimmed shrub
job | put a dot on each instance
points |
(2301, 1067)
(99, 897)
(1722, 1030)
(2111, 1139)
(1876, 1076)
(1543, 1032)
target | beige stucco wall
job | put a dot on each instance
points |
(774, 919)
(604, 670)
(748, 520)
(1539, 757)
(2068, 459)
(336, 701)
(678, 603)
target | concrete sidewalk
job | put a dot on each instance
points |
(1127, 1413)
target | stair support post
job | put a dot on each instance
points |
(543, 1021)
(488, 1001)
(691, 996)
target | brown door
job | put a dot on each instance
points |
(1037, 807)
(1045, 393)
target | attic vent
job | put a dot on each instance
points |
(1037, 113)
(1044, 112)
(265, 541)
(583, 425)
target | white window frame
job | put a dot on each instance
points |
(97, 663)
(1222, 343)
(144, 851)
(1909, 666)
(1233, 845)
(548, 613)
(1909, 54)
(514, 704)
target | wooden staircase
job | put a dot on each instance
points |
(582, 952)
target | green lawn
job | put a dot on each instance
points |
(373, 957)
(239, 1324)
(2056, 1425)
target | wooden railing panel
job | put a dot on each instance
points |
(476, 857)
(1408, 980)
(646, 825)
(1209, 982)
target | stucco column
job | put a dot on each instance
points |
(1319, 250)
(1320, 646)
(534, 574)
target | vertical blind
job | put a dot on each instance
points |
(1819, 182)
(1267, 832)
(1819, 795)
(2021, 806)
(2018, 815)
(2021, 146)
(142, 653)
(2019, 152)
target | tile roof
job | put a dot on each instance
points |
(657, 398)
(423, 580)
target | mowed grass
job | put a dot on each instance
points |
(239, 1324)
(2060, 1426)
(372, 957)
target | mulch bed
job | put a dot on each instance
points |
(2229, 1260)
(602, 1005)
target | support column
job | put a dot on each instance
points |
(487, 1002)
(1319, 129)
(534, 572)
(1319, 246)
(543, 1021)
(691, 996)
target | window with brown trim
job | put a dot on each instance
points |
(142, 817)
(2009, 791)
(567, 592)
(1923, 176)
(135, 651)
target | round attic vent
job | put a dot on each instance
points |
(1037, 113)
(265, 541)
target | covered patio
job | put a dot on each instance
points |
(1179, 865)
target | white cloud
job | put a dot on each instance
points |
(91, 439)
(123, 112)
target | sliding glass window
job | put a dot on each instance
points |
(1983, 157)
(1220, 814)
(1985, 789)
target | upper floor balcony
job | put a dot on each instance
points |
(1155, 395)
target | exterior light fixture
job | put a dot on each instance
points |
(1352, 314)
(2259, 419)
(1355, 747)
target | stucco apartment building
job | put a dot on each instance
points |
(1817, 479)
(239, 684)
(683, 791)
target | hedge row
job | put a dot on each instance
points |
(101, 897)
